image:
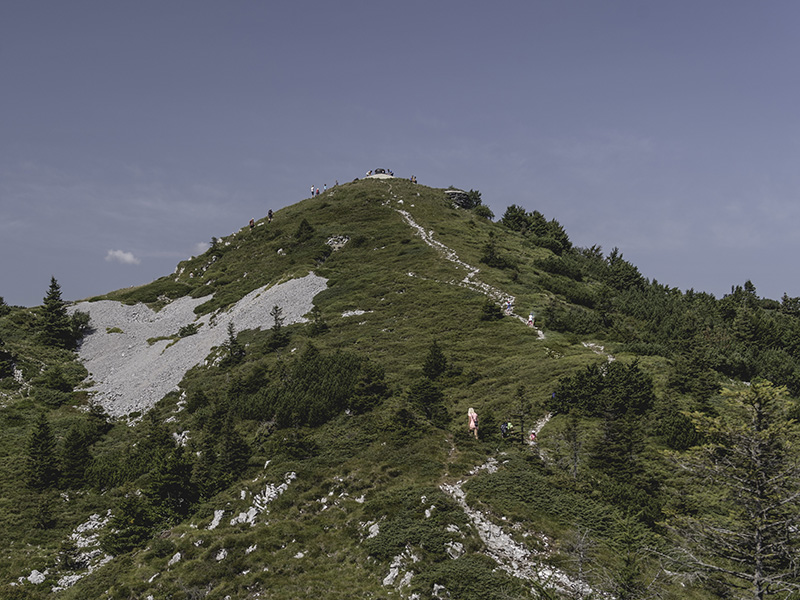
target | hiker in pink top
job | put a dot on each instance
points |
(473, 421)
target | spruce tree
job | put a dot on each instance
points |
(741, 489)
(279, 336)
(6, 361)
(171, 490)
(131, 525)
(55, 327)
(435, 362)
(42, 472)
(205, 472)
(425, 396)
(233, 453)
(74, 457)
(234, 350)
(318, 324)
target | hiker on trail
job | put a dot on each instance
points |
(508, 307)
(312, 191)
(472, 417)
(505, 428)
(325, 188)
(530, 319)
(533, 437)
(269, 216)
(252, 223)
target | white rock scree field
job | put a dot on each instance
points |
(128, 374)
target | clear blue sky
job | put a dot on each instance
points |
(131, 133)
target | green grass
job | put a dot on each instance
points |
(366, 467)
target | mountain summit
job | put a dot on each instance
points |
(286, 416)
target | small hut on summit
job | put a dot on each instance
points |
(379, 174)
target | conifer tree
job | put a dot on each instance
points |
(131, 525)
(279, 336)
(6, 361)
(74, 457)
(234, 350)
(171, 490)
(204, 473)
(435, 362)
(742, 494)
(55, 328)
(425, 396)
(42, 472)
(304, 231)
(233, 452)
(318, 324)
(43, 517)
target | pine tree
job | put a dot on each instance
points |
(279, 336)
(741, 493)
(234, 350)
(318, 324)
(6, 361)
(304, 231)
(171, 490)
(233, 453)
(75, 457)
(55, 327)
(435, 362)
(42, 472)
(204, 474)
(425, 396)
(131, 525)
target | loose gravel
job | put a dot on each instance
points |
(128, 374)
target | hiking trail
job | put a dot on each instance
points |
(513, 557)
(470, 279)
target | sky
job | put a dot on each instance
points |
(131, 133)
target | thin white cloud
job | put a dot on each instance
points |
(201, 247)
(120, 256)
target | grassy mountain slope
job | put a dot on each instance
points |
(326, 461)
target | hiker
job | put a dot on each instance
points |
(533, 437)
(252, 223)
(312, 191)
(325, 188)
(530, 319)
(506, 428)
(508, 307)
(472, 417)
(269, 216)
